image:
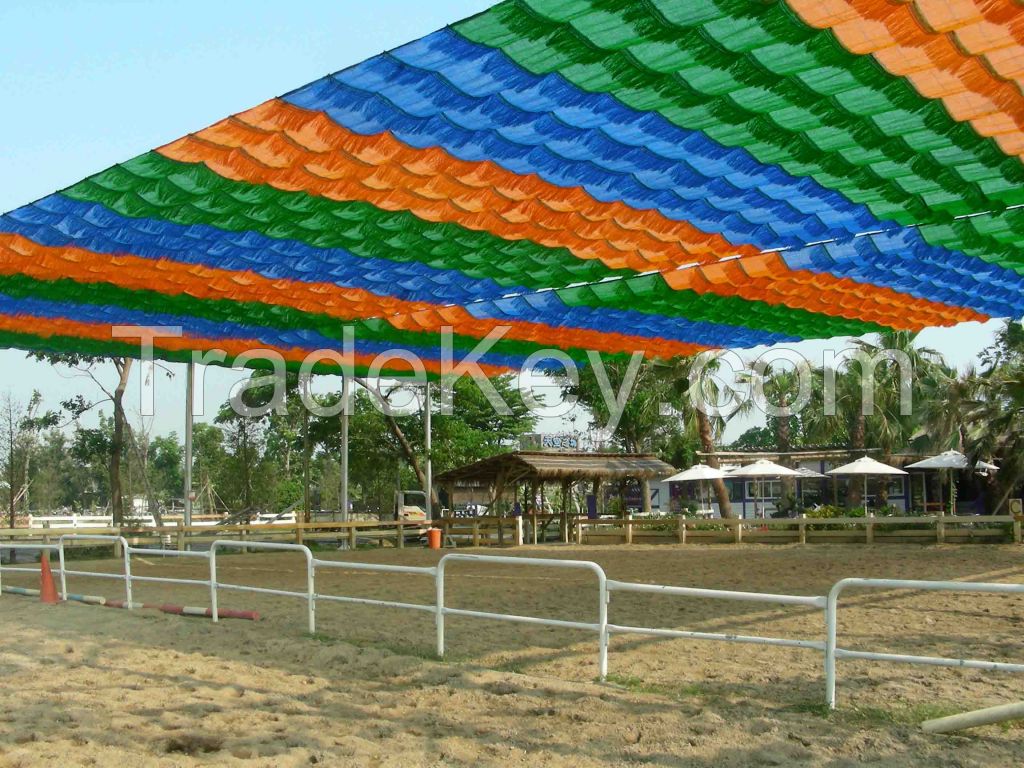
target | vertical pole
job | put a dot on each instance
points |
(213, 583)
(830, 648)
(439, 607)
(346, 383)
(924, 492)
(602, 623)
(429, 473)
(190, 372)
(63, 575)
(127, 574)
(310, 593)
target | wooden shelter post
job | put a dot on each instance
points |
(566, 485)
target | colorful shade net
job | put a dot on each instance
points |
(664, 176)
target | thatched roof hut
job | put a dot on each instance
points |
(534, 469)
(552, 466)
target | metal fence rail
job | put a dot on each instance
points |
(602, 626)
(832, 652)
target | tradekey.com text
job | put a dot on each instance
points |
(717, 382)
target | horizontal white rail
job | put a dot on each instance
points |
(28, 569)
(586, 565)
(718, 594)
(378, 603)
(832, 652)
(350, 566)
(935, 661)
(727, 637)
(605, 586)
(309, 594)
(125, 554)
(517, 619)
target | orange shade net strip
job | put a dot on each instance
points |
(970, 55)
(21, 256)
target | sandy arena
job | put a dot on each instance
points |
(105, 687)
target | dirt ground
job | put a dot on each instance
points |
(99, 686)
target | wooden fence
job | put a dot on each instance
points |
(862, 530)
(395, 533)
(540, 529)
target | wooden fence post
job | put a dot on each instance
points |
(352, 537)
(940, 528)
(298, 533)
(802, 527)
(533, 525)
(737, 536)
(628, 522)
(180, 536)
(1016, 530)
(399, 536)
(501, 532)
(869, 529)
(681, 529)
(519, 531)
(476, 534)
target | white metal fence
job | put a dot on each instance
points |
(604, 628)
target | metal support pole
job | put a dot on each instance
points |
(346, 383)
(429, 473)
(190, 372)
(439, 610)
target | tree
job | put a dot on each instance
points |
(19, 428)
(77, 406)
(658, 415)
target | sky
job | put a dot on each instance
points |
(88, 83)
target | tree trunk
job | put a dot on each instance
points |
(855, 497)
(10, 460)
(124, 367)
(141, 457)
(247, 469)
(783, 438)
(645, 495)
(707, 443)
(403, 442)
(306, 512)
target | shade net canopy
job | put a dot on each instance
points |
(666, 176)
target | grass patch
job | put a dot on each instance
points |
(639, 685)
(320, 637)
(193, 744)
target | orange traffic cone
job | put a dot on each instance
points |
(47, 589)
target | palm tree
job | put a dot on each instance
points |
(780, 388)
(874, 397)
(996, 425)
(707, 423)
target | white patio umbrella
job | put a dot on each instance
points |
(759, 470)
(945, 461)
(867, 467)
(698, 473)
(807, 474)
